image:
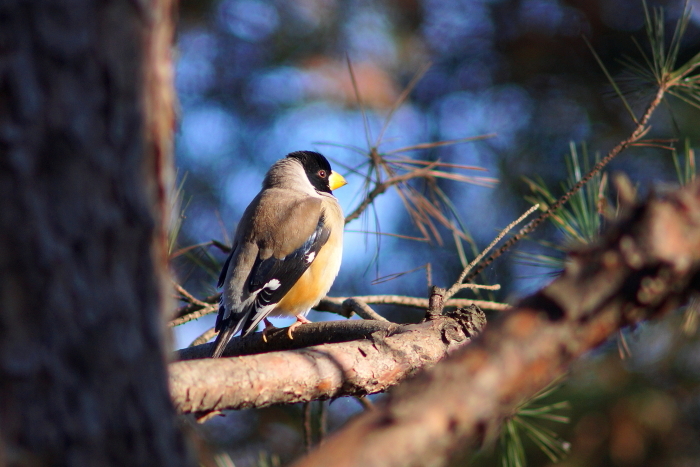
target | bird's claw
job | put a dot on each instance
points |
(301, 319)
(269, 327)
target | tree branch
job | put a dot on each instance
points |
(336, 305)
(362, 309)
(643, 267)
(332, 304)
(192, 307)
(323, 332)
(197, 312)
(358, 367)
(459, 284)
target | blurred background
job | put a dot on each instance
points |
(258, 79)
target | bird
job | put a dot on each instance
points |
(286, 250)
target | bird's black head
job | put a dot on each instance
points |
(317, 169)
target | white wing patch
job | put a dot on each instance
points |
(272, 284)
(310, 257)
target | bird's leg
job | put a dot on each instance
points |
(269, 327)
(301, 319)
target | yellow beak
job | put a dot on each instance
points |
(335, 180)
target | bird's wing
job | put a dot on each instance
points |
(277, 240)
(273, 277)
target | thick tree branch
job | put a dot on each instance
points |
(359, 367)
(645, 266)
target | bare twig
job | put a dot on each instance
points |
(221, 246)
(401, 99)
(365, 402)
(187, 296)
(330, 303)
(437, 144)
(190, 308)
(197, 313)
(381, 187)
(205, 337)
(480, 286)
(459, 283)
(361, 308)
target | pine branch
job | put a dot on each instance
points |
(644, 266)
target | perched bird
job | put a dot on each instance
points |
(287, 248)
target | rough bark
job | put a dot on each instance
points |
(358, 367)
(645, 266)
(82, 195)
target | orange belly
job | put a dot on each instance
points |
(316, 281)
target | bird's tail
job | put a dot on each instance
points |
(222, 339)
(228, 329)
(236, 320)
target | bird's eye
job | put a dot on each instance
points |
(322, 173)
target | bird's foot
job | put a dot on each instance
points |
(301, 319)
(269, 327)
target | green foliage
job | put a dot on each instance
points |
(581, 220)
(657, 68)
(527, 423)
(686, 168)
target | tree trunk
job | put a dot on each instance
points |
(85, 130)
